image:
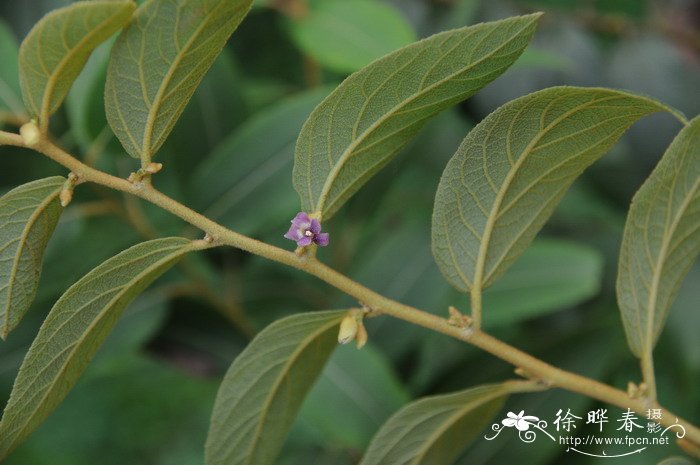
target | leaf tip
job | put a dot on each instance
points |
(533, 20)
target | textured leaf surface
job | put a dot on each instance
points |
(436, 429)
(661, 240)
(74, 329)
(28, 217)
(158, 62)
(513, 168)
(10, 99)
(141, 409)
(357, 129)
(265, 386)
(345, 36)
(56, 49)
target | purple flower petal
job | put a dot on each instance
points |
(306, 231)
(321, 239)
(304, 241)
(315, 226)
(294, 234)
(301, 216)
(301, 221)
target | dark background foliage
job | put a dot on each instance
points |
(148, 396)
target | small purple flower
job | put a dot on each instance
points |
(305, 231)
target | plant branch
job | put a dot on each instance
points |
(647, 363)
(534, 368)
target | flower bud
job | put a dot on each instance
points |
(348, 329)
(65, 197)
(361, 337)
(30, 133)
(153, 168)
(66, 194)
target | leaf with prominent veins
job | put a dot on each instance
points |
(661, 240)
(358, 129)
(265, 386)
(28, 217)
(58, 46)
(512, 169)
(158, 62)
(436, 429)
(76, 327)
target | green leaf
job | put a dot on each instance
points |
(9, 73)
(137, 407)
(436, 429)
(74, 329)
(251, 167)
(265, 386)
(357, 129)
(28, 217)
(58, 46)
(513, 168)
(158, 62)
(346, 35)
(661, 240)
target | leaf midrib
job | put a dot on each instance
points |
(500, 196)
(52, 79)
(660, 262)
(71, 293)
(19, 432)
(25, 233)
(159, 98)
(266, 405)
(451, 420)
(353, 145)
(544, 205)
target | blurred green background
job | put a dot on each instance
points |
(147, 397)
